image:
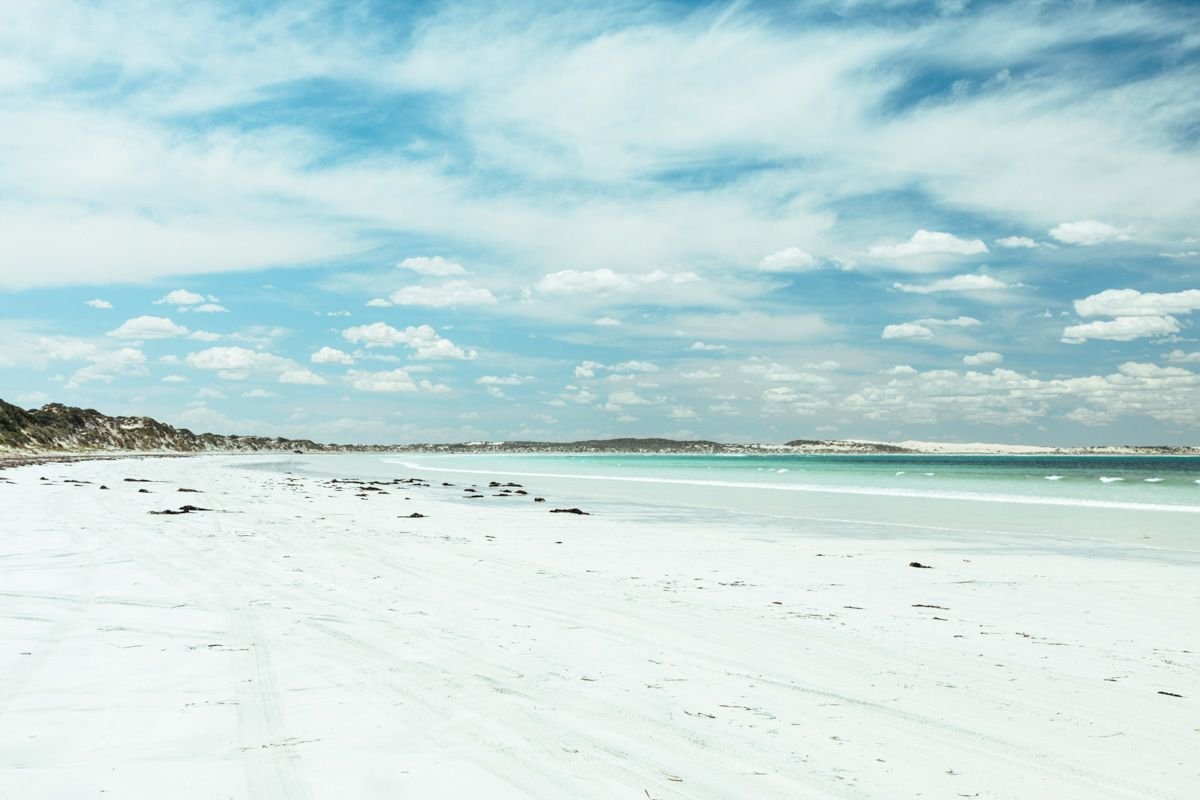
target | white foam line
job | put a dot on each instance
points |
(853, 490)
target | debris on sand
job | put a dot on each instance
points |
(181, 510)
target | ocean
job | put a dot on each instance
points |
(1144, 501)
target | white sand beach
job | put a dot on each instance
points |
(298, 640)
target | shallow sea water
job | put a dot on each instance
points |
(1144, 504)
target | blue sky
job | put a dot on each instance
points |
(404, 221)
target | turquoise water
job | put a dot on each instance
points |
(1091, 481)
(1142, 505)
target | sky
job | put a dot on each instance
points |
(406, 221)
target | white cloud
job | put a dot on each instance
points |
(710, 348)
(109, 364)
(1180, 357)
(1136, 314)
(565, 118)
(238, 363)
(682, 413)
(1121, 329)
(789, 400)
(180, 297)
(450, 293)
(423, 339)
(587, 369)
(432, 265)
(378, 302)
(575, 394)
(700, 375)
(619, 399)
(146, 327)
(237, 359)
(301, 376)
(502, 380)
(1132, 303)
(98, 303)
(925, 243)
(1017, 242)
(790, 259)
(983, 359)
(900, 369)
(634, 366)
(959, 283)
(377, 334)
(957, 322)
(210, 308)
(906, 330)
(1092, 417)
(32, 399)
(396, 380)
(1005, 397)
(924, 328)
(174, 379)
(1088, 232)
(258, 393)
(571, 281)
(774, 372)
(330, 355)
(606, 322)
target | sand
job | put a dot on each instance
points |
(301, 641)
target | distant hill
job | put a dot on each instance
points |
(58, 428)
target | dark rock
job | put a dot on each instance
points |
(102, 486)
(919, 565)
(181, 510)
(568, 511)
(416, 515)
(143, 491)
(197, 491)
(539, 499)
